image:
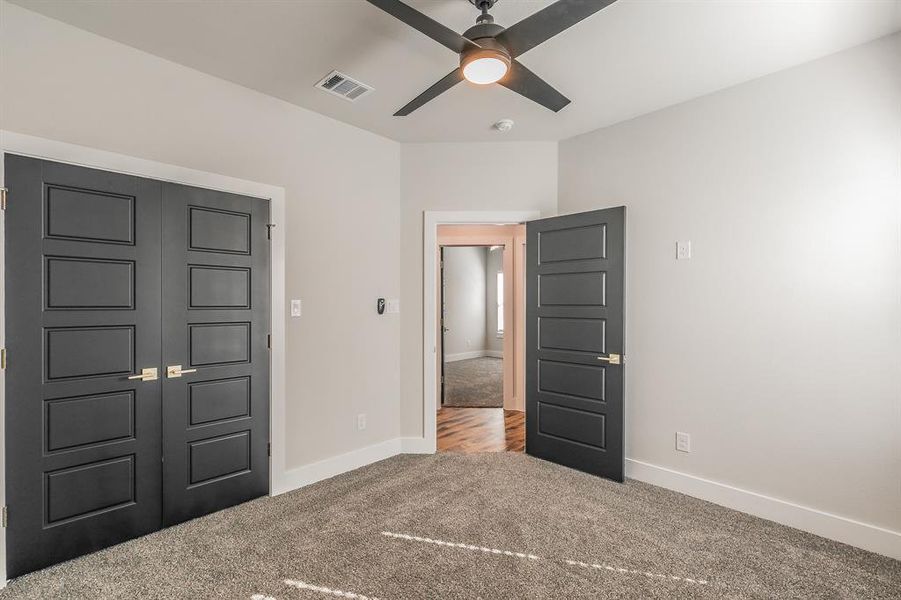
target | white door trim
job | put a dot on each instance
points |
(431, 221)
(17, 143)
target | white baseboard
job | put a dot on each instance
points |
(417, 445)
(834, 527)
(448, 358)
(464, 355)
(336, 465)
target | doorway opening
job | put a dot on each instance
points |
(481, 338)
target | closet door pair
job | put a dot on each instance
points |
(137, 382)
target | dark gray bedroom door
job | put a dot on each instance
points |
(110, 279)
(574, 340)
(82, 321)
(215, 351)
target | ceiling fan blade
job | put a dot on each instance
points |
(444, 84)
(525, 82)
(547, 23)
(430, 27)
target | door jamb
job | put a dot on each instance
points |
(46, 149)
(431, 221)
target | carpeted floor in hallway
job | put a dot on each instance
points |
(467, 526)
(474, 382)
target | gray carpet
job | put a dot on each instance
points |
(475, 382)
(646, 542)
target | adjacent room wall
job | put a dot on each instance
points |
(342, 187)
(523, 176)
(494, 266)
(776, 346)
(464, 302)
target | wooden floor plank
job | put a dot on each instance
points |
(481, 430)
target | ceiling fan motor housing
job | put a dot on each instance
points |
(483, 34)
(488, 48)
(481, 31)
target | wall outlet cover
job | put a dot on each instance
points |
(683, 250)
(361, 421)
(683, 442)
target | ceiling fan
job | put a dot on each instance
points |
(488, 51)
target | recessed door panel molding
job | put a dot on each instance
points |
(89, 420)
(577, 243)
(218, 400)
(218, 287)
(83, 490)
(573, 289)
(579, 426)
(77, 352)
(89, 283)
(217, 230)
(215, 458)
(583, 381)
(574, 341)
(574, 335)
(89, 215)
(218, 343)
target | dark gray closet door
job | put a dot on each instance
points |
(215, 328)
(82, 316)
(574, 341)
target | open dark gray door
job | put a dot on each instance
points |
(574, 341)
(215, 351)
(82, 321)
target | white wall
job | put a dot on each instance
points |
(342, 187)
(494, 266)
(523, 176)
(777, 345)
(464, 301)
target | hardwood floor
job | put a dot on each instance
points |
(481, 430)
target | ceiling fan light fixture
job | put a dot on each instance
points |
(485, 65)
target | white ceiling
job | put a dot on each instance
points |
(633, 57)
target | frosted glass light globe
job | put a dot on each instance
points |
(485, 70)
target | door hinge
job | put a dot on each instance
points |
(2, 358)
(269, 449)
(4, 194)
(5, 517)
(269, 340)
(269, 228)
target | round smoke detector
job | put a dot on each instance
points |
(503, 125)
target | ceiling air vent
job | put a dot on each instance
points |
(341, 85)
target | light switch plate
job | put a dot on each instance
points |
(683, 250)
(393, 306)
(296, 308)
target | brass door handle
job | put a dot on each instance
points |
(148, 374)
(613, 359)
(177, 371)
